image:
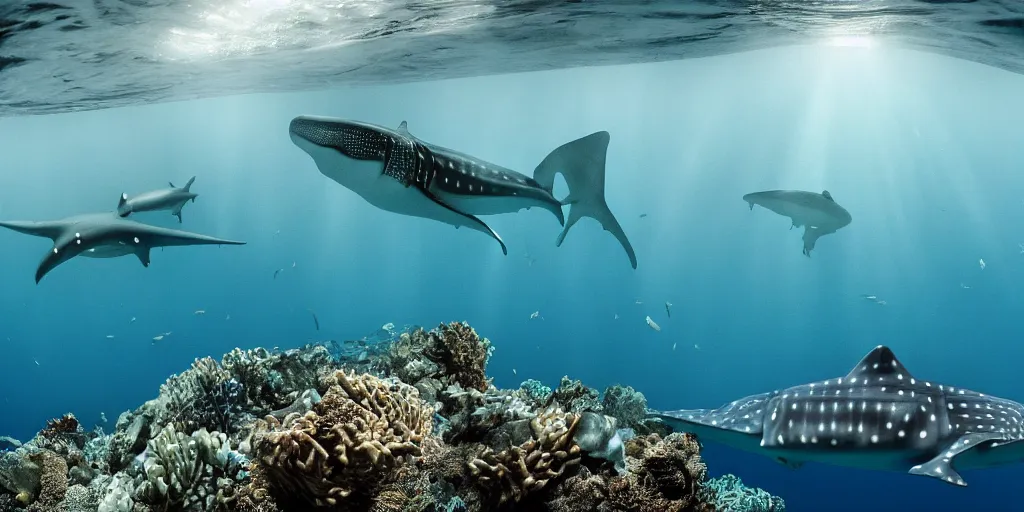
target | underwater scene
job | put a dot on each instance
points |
(565, 256)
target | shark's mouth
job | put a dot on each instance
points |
(353, 140)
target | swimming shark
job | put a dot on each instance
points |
(878, 416)
(399, 173)
(104, 235)
(172, 199)
(818, 214)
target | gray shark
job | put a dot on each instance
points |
(878, 416)
(104, 235)
(172, 199)
(399, 173)
(818, 214)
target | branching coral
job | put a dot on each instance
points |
(183, 471)
(462, 352)
(516, 473)
(204, 396)
(363, 428)
(728, 494)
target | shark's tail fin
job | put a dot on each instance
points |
(582, 164)
(189, 184)
(123, 209)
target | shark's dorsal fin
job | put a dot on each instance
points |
(881, 361)
(403, 128)
(827, 195)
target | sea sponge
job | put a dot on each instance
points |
(462, 352)
(362, 429)
(520, 471)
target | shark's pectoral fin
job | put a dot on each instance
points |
(481, 225)
(143, 254)
(177, 212)
(941, 466)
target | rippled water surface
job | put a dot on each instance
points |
(79, 55)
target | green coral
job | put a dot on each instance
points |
(728, 494)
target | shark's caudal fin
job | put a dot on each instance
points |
(122, 206)
(47, 229)
(582, 164)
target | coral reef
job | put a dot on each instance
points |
(361, 430)
(406, 422)
(728, 494)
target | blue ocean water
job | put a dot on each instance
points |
(923, 150)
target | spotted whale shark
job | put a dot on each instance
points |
(878, 417)
(397, 172)
(818, 214)
(104, 235)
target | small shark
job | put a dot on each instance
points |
(172, 199)
(878, 416)
(399, 173)
(818, 214)
(104, 235)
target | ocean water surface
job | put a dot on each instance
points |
(923, 149)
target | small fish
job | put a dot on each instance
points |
(616, 316)
(158, 338)
(696, 346)
(293, 264)
(638, 302)
(278, 232)
(642, 215)
(200, 312)
(981, 263)
(514, 371)
(534, 315)
(110, 336)
(227, 317)
(869, 297)
(653, 324)
(964, 286)
(315, 321)
(668, 309)
(37, 362)
(276, 272)
(673, 347)
(132, 321)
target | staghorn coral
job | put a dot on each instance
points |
(359, 433)
(520, 471)
(728, 494)
(462, 353)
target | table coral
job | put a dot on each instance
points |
(361, 430)
(520, 471)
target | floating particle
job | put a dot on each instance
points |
(616, 316)
(514, 371)
(534, 315)
(293, 264)
(227, 317)
(653, 324)
(200, 312)
(638, 302)
(696, 346)
(673, 347)
(110, 336)
(981, 263)
(964, 286)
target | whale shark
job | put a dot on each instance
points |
(104, 235)
(397, 172)
(878, 416)
(818, 214)
(172, 199)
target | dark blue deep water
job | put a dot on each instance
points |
(925, 152)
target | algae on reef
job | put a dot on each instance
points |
(418, 427)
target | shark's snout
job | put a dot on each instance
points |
(315, 130)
